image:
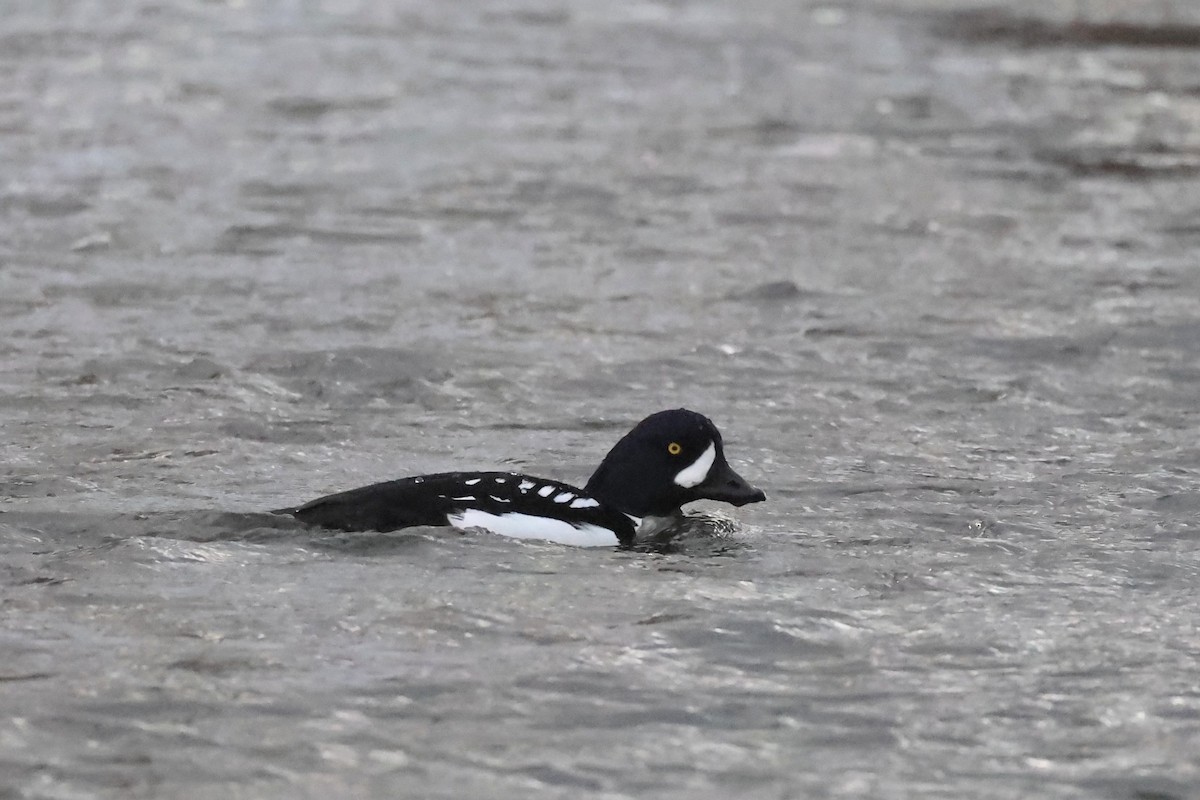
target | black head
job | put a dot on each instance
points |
(669, 459)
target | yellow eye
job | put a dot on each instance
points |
(674, 449)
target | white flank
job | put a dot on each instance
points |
(698, 471)
(525, 486)
(524, 526)
(584, 502)
(546, 491)
(472, 482)
(564, 497)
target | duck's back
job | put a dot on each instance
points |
(501, 501)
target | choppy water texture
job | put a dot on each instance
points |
(931, 267)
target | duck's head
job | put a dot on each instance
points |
(669, 459)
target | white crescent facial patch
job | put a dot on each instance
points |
(698, 471)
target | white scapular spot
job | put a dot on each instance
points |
(584, 502)
(525, 486)
(472, 482)
(501, 480)
(696, 473)
(563, 497)
(546, 491)
(524, 526)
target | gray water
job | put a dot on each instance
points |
(933, 271)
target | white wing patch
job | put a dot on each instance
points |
(546, 491)
(698, 471)
(524, 526)
(468, 497)
(563, 497)
(584, 502)
(525, 486)
(499, 499)
(472, 482)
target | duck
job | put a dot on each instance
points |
(669, 459)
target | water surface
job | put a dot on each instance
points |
(930, 267)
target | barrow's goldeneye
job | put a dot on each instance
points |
(668, 459)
